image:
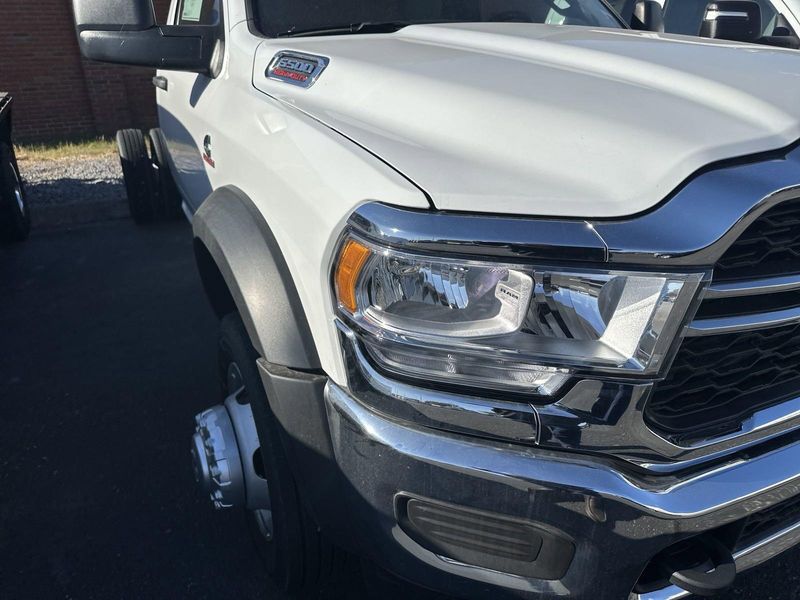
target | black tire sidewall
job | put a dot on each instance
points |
(15, 225)
(169, 200)
(137, 174)
(283, 556)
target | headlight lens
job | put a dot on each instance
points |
(503, 326)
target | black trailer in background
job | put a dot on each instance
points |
(15, 221)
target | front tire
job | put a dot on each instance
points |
(294, 553)
(15, 220)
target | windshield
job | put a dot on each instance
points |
(287, 17)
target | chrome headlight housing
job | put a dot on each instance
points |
(504, 326)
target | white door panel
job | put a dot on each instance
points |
(179, 113)
(183, 110)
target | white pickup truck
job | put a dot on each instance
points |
(509, 293)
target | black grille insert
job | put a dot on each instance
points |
(769, 246)
(718, 381)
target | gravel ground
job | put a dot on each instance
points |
(73, 180)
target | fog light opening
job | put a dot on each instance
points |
(482, 539)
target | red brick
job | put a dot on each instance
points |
(59, 95)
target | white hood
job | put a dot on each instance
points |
(544, 120)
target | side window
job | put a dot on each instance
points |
(198, 12)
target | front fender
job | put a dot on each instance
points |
(234, 233)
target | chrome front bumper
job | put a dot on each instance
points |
(617, 519)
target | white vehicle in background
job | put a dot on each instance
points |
(509, 293)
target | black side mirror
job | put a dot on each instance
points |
(735, 20)
(125, 32)
(648, 16)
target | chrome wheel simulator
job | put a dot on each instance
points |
(215, 454)
(225, 445)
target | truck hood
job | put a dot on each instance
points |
(545, 120)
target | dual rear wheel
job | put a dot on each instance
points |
(149, 184)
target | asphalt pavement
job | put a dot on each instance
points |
(108, 350)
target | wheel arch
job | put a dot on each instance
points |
(243, 268)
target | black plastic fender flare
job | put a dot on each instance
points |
(233, 232)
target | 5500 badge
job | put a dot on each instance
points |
(295, 68)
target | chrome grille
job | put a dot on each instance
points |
(742, 352)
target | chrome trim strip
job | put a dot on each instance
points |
(479, 234)
(672, 592)
(755, 287)
(749, 557)
(609, 418)
(712, 15)
(739, 323)
(767, 548)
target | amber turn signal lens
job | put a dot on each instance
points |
(351, 260)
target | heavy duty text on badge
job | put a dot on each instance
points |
(295, 68)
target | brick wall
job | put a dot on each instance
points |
(57, 94)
